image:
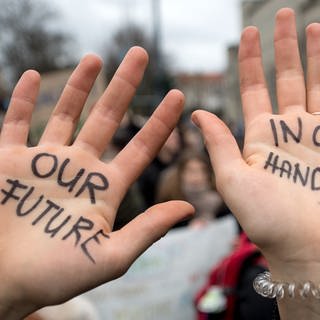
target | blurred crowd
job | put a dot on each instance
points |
(181, 171)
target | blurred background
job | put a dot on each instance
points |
(192, 46)
(186, 41)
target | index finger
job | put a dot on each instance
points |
(141, 150)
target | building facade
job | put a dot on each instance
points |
(205, 91)
(52, 85)
(262, 15)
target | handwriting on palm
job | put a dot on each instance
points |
(59, 200)
(284, 151)
(291, 143)
(62, 193)
(273, 186)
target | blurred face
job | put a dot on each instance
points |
(193, 139)
(171, 148)
(173, 142)
(194, 176)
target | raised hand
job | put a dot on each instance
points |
(273, 188)
(59, 201)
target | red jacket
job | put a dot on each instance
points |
(227, 272)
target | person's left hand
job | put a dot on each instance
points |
(273, 186)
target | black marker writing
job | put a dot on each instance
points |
(94, 181)
(15, 184)
(315, 136)
(315, 179)
(50, 216)
(50, 205)
(272, 162)
(54, 230)
(96, 239)
(100, 184)
(299, 176)
(81, 224)
(287, 132)
(22, 201)
(45, 156)
(71, 183)
(274, 132)
(285, 169)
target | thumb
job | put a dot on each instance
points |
(139, 234)
(219, 141)
(223, 149)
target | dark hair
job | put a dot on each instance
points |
(169, 187)
(192, 155)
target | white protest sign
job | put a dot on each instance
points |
(162, 282)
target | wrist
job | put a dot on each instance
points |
(297, 272)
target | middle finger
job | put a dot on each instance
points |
(107, 113)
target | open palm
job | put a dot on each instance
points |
(59, 201)
(273, 187)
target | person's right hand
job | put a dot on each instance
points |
(59, 201)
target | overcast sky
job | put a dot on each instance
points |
(194, 33)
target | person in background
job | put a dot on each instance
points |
(191, 179)
(78, 308)
(133, 202)
(192, 139)
(228, 293)
(167, 156)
